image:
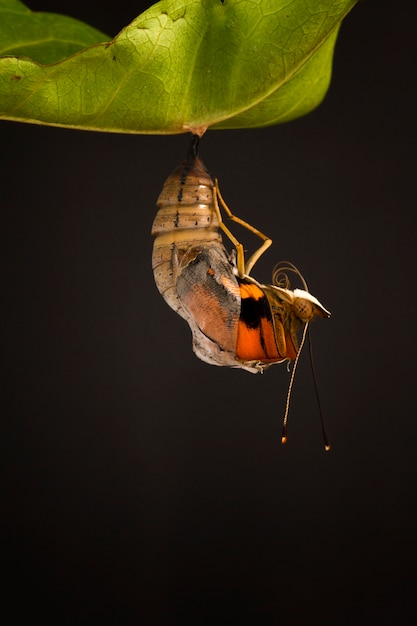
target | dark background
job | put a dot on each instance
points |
(142, 486)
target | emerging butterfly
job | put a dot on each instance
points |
(235, 320)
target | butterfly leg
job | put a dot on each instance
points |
(242, 267)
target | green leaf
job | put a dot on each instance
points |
(186, 65)
(44, 37)
(295, 98)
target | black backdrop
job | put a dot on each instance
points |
(141, 486)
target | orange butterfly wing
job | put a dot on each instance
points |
(260, 337)
(209, 290)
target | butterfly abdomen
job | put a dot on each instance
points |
(186, 220)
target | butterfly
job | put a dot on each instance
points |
(235, 320)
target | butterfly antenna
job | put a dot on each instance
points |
(313, 371)
(287, 404)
